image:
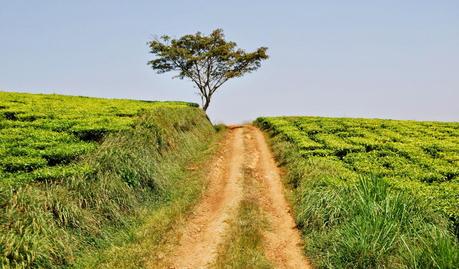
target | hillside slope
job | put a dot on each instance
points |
(75, 169)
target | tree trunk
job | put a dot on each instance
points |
(206, 104)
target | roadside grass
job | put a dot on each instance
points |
(50, 224)
(153, 232)
(351, 221)
(243, 247)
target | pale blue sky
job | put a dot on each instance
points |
(386, 59)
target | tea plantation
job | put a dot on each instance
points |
(41, 135)
(370, 193)
(77, 173)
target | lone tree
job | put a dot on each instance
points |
(208, 61)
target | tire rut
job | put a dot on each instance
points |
(282, 241)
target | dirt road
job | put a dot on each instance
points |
(244, 148)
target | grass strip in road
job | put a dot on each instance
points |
(243, 247)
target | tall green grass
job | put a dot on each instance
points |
(47, 224)
(361, 222)
(153, 231)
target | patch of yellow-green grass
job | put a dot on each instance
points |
(243, 246)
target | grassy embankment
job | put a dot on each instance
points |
(366, 194)
(80, 175)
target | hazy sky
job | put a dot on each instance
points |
(386, 59)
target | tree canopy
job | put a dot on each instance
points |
(207, 60)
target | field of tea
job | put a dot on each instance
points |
(362, 184)
(420, 156)
(42, 135)
(111, 183)
(77, 173)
